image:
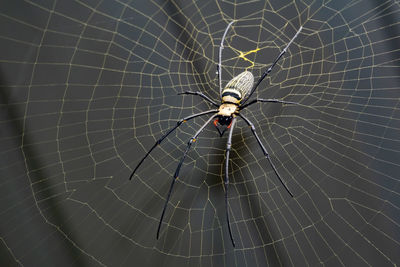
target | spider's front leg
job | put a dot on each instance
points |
(191, 141)
(168, 133)
(253, 129)
(226, 180)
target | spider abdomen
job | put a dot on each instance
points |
(238, 87)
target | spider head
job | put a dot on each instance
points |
(222, 123)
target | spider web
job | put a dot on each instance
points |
(88, 86)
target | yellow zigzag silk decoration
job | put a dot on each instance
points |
(244, 54)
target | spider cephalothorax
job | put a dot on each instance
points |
(226, 112)
(233, 98)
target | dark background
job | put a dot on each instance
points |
(88, 86)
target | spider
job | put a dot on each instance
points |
(233, 99)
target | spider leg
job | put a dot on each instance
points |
(219, 68)
(168, 133)
(265, 152)
(266, 100)
(191, 141)
(226, 180)
(272, 66)
(201, 95)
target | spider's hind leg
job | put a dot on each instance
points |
(271, 67)
(209, 100)
(219, 66)
(267, 100)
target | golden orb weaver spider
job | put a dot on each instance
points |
(233, 99)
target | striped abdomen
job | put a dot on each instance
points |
(238, 88)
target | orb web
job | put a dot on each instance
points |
(87, 87)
